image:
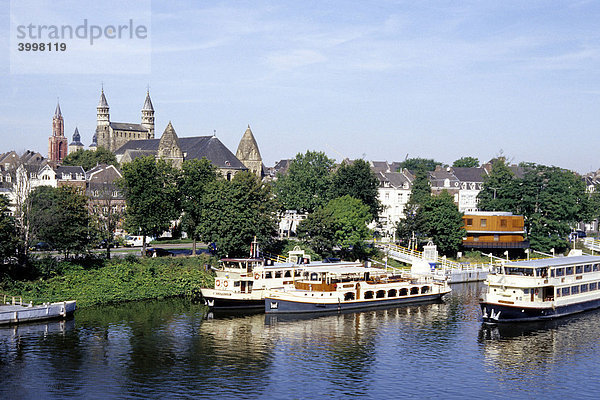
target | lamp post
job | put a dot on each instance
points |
(527, 251)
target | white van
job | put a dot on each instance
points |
(137, 241)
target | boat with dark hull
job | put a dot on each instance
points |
(332, 289)
(241, 283)
(542, 289)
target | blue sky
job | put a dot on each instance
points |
(372, 79)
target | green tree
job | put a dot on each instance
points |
(151, 196)
(500, 189)
(419, 164)
(88, 159)
(307, 183)
(342, 222)
(552, 200)
(466, 162)
(357, 180)
(8, 233)
(442, 222)
(196, 175)
(235, 212)
(318, 230)
(410, 226)
(61, 218)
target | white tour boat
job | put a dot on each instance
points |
(330, 288)
(542, 289)
(241, 283)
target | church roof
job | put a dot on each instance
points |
(148, 103)
(103, 102)
(94, 140)
(126, 126)
(248, 148)
(197, 147)
(57, 113)
(76, 138)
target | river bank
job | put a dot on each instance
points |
(115, 281)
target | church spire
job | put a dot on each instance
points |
(103, 103)
(57, 113)
(249, 154)
(148, 103)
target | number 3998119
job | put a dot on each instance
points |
(50, 46)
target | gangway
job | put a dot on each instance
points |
(592, 244)
(453, 271)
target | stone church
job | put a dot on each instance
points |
(112, 135)
(130, 140)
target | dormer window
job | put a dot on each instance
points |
(446, 182)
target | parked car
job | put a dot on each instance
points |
(42, 246)
(137, 241)
(159, 252)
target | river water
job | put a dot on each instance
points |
(175, 349)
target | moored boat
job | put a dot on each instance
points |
(241, 283)
(13, 310)
(333, 289)
(541, 289)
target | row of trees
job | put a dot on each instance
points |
(212, 209)
(551, 199)
(432, 217)
(340, 201)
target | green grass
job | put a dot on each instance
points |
(118, 281)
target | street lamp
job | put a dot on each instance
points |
(527, 251)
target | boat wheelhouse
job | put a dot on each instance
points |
(241, 283)
(542, 289)
(336, 289)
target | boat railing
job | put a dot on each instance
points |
(317, 287)
(14, 300)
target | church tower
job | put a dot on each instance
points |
(102, 123)
(249, 154)
(57, 143)
(148, 116)
(76, 143)
(169, 148)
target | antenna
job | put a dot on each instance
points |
(214, 132)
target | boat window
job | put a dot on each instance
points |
(584, 288)
(587, 268)
(369, 294)
(403, 292)
(596, 267)
(349, 296)
(277, 274)
(392, 293)
(268, 275)
(575, 290)
(314, 276)
(380, 294)
(569, 270)
(560, 272)
(593, 286)
(579, 269)
(543, 272)
(525, 291)
(552, 273)
(237, 283)
(414, 290)
(557, 292)
(519, 271)
(288, 274)
(425, 289)
(297, 273)
(566, 291)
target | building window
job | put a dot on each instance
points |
(503, 223)
(469, 221)
(483, 222)
(496, 238)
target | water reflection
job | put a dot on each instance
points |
(175, 349)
